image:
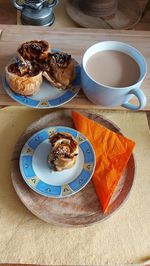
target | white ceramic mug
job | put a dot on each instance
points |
(104, 95)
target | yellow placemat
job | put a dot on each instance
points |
(122, 239)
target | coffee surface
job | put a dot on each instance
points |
(113, 68)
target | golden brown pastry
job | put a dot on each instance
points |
(34, 60)
(58, 69)
(64, 151)
(23, 77)
(33, 50)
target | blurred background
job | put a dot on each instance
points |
(64, 16)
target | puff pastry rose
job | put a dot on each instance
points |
(64, 151)
(23, 77)
(58, 69)
(34, 50)
(36, 60)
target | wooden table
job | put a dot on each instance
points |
(2, 27)
(74, 41)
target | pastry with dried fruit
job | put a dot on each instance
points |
(33, 50)
(59, 69)
(23, 77)
(64, 151)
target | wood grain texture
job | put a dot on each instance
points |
(128, 14)
(98, 8)
(75, 42)
(2, 27)
(81, 209)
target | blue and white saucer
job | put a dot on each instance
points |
(36, 171)
(48, 96)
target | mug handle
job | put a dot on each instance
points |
(141, 98)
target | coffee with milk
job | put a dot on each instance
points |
(113, 68)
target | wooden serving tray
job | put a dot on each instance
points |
(81, 209)
(73, 41)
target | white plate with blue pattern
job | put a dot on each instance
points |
(48, 96)
(36, 171)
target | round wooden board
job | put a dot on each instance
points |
(81, 209)
(126, 17)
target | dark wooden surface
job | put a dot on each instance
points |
(8, 14)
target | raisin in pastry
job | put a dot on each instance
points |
(33, 50)
(64, 151)
(60, 70)
(23, 77)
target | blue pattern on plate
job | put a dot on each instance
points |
(62, 99)
(80, 180)
(27, 166)
(25, 100)
(86, 148)
(37, 139)
(50, 190)
(77, 80)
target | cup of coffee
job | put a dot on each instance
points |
(112, 73)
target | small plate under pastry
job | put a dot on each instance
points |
(38, 174)
(48, 96)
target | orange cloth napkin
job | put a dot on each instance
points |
(112, 152)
